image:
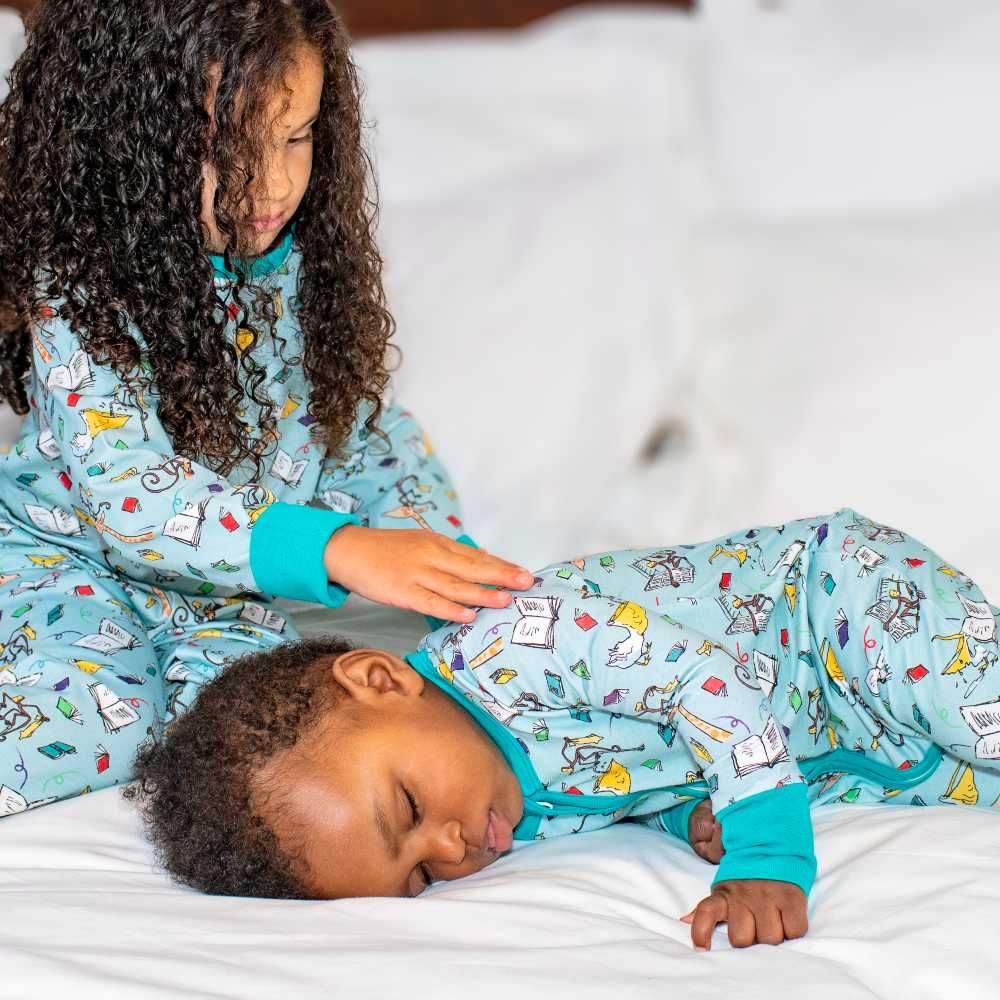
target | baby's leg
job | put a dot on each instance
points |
(907, 653)
(80, 687)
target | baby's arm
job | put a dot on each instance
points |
(724, 721)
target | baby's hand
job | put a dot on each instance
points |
(758, 911)
(705, 833)
(420, 570)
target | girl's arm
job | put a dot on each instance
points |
(162, 516)
(395, 481)
(404, 551)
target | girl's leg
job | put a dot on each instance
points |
(80, 687)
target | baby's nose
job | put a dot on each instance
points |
(450, 846)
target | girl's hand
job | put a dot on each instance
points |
(758, 911)
(421, 571)
(705, 833)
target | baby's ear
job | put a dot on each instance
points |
(367, 674)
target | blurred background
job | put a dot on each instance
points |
(666, 270)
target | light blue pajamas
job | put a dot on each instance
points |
(827, 659)
(130, 575)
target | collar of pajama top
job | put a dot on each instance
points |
(539, 802)
(259, 266)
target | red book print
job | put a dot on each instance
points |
(229, 522)
(585, 621)
(715, 685)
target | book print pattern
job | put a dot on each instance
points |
(833, 650)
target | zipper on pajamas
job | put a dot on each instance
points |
(850, 762)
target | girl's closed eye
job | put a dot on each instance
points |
(308, 137)
(422, 869)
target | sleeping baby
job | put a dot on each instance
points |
(714, 692)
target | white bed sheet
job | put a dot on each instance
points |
(906, 902)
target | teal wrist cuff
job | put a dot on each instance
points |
(769, 836)
(286, 552)
(675, 820)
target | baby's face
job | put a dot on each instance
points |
(399, 787)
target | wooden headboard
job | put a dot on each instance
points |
(381, 17)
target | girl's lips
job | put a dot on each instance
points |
(499, 833)
(265, 225)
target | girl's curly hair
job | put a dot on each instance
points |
(103, 138)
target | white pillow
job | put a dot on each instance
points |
(852, 365)
(818, 106)
(535, 189)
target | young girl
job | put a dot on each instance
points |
(192, 319)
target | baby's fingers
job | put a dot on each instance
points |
(708, 914)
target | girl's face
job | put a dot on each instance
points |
(278, 194)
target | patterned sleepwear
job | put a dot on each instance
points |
(828, 659)
(130, 575)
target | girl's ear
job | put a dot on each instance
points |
(370, 674)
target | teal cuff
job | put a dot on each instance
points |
(286, 552)
(436, 623)
(769, 836)
(675, 819)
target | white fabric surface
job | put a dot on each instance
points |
(851, 364)
(905, 906)
(544, 195)
(536, 189)
(872, 108)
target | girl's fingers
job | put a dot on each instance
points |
(462, 592)
(433, 604)
(478, 566)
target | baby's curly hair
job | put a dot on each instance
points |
(103, 139)
(195, 786)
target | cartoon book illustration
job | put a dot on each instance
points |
(788, 557)
(72, 376)
(56, 520)
(186, 526)
(116, 713)
(765, 668)
(746, 614)
(47, 444)
(260, 615)
(867, 559)
(984, 720)
(537, 625)
(755, 752)
(286, 470)
(109, 638)
(979, 622)
(897, 607)
(664, 568)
